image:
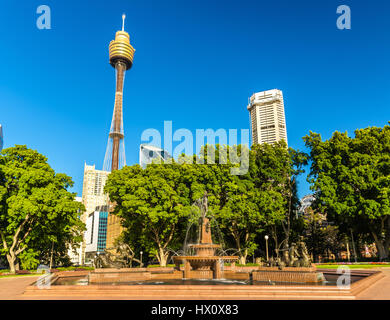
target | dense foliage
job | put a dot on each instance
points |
(351, 180)
(155, 203)
(37, 213)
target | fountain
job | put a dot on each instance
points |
(205, 275)
(205, 261)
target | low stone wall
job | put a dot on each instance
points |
(121, 270)
(292, 269)
(285, 276)
(200, 274)
(72, 273)
(240, 269)
(233, 275)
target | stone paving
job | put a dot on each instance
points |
(379, 290)
(13, 288)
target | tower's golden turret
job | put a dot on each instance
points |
(120, 49)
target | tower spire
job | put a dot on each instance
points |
(123, 22)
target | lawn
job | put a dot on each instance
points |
(354, 266)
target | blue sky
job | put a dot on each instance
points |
(196, 63)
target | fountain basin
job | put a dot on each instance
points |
(72, 285)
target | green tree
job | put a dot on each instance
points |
(153, 204)
(351, 178)
(233, 198)
(274, 170)
(264, 197)
(320, 237)
(34, 204)
(241, 217)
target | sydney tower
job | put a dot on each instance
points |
(121, 58)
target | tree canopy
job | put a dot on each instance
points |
(36, 210)
(155, 203)
(351, 180)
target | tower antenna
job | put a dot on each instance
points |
(123, 22)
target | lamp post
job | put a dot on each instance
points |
(141, 259)
(266, 245)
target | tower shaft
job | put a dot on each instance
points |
(117, 132)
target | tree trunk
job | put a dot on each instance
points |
(162, 257)
(275, 237)
(353, 246)
(12, 263)
(51, 255)
(348, 252)
(243, 257)
(383, 250)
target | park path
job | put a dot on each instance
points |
(379, 290)
(13, 288)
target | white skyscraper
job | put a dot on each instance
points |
(94, 199)
(268, 123)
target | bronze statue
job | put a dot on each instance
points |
(123, 259)
(271, 262)
(293, 255)
(280, 263)
(304, 260)
(105, 260)
(286, 259)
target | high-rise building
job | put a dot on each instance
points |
(93, 186)
(268, 123)
(149, 154)
(93, 198)
(121, 58)
(306, 203)
(1, 138)
(76, 254)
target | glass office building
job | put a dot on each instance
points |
(102, 232)
(96, 233)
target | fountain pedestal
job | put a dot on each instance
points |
(204, 261)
